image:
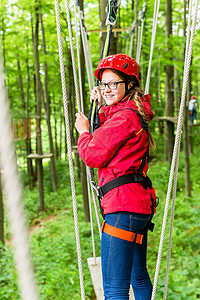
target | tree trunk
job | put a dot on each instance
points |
(61, 128)
(55, 133)
(31, 175)
(186, 153)
(1, 215)
(169, 107)
(21, 84)
(186, 128)
(39, 100)
(48, 112)
(3, 47)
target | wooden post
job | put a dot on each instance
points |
(38, 97)
(186, 152)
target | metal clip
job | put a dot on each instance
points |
(97, 189)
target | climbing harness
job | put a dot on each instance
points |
(122, 234)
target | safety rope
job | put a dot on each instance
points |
(132, 38)
(91, 76)
(112, 8)
(175, 158)
(155, 20)
(69, 148)
(86, 49)
(140, 32)
(188, 55)
(13, 191)
(78, 57)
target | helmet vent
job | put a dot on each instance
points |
(126, 65)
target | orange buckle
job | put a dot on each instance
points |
(122, 234)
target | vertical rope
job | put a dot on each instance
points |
(155, 20)
(69, 149)
(176, 146)
(188, 56)
(78, 57)
(72, 55)
(132, 36)
(87, 169)
(141, 32)
(13, 191)
(84, 39)
(91, 85)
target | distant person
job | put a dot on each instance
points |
(193, 109)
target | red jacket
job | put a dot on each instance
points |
(116, 149)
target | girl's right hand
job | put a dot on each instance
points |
(95, 94)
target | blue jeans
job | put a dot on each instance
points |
(193, 116)
(123, 262)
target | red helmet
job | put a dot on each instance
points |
(193, 97)
(120, 62)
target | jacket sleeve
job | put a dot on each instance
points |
(97, 150)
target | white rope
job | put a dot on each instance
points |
(189, 47)
(69, 149)
(155, 20)
(13, 191)
(90, 75)
(72, 55)
(78, 57)
(140, 33)
(87, 169)
(86, 51)
(175, 158)
(132, 37)
(95, 203)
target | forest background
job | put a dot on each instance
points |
(30, 55)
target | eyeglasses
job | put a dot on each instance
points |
(112, 85)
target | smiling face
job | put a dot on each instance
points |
(112, 96)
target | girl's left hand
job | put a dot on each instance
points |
(82, 123)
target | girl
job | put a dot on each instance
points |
(119, 149)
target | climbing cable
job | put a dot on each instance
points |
(175, 158)
(189, 46)
(140, 32)
(112, 8)
(155, 20)
(78, 58)
(64, 91)
(132, 37)
(86, 49)
(91, 84)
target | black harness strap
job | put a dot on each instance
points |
(125, 179)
